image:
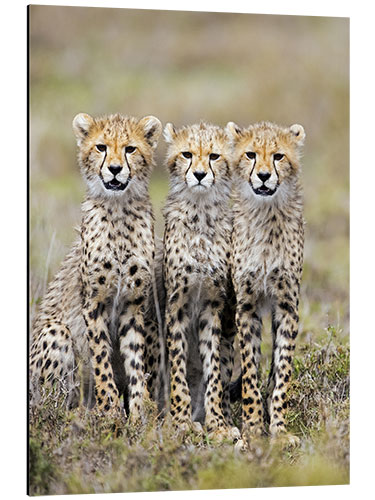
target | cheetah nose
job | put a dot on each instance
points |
(200, 175)
(115, 169)
(263, 176)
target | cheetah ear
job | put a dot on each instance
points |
(233, 131)
(169, 133)
(298, 133)
(81, 126)
(151, 127)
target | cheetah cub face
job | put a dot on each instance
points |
(197, 157)
(115, 151)
(266, 156)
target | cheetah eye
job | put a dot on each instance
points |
(278, 156)
(214, 156)
(129, 149)
(101, 147)
(251, 155)
(186, 154)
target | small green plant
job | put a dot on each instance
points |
(41, 468)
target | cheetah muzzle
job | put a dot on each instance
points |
(116, 185)
(263, 190)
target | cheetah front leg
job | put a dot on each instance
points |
(177, 321)
(226, 370)
(132, 346)
(209, 348)
(153, 362)
(285, 326)
(95, 316)
(217, 359)
(249, 326)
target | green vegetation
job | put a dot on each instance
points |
(234, 67)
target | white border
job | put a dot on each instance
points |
(13, 241)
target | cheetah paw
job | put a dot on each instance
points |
(234, 434)
(240, 446)
(286, 440)
(225, 433)
(185, 428)
(251, 432)
(253, 447)
(137, 417)
(197, 428)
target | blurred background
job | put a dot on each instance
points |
(183, 67)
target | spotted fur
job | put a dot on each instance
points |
(196, 272)
(267, 254)
(96, 325)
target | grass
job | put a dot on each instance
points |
(243, 68)
(82, 452)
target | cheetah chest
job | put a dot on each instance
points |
(206, 254)
(117, 257)
(258, 252)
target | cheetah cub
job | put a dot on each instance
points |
(96, 319)
(196, 272)
(267, 253)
